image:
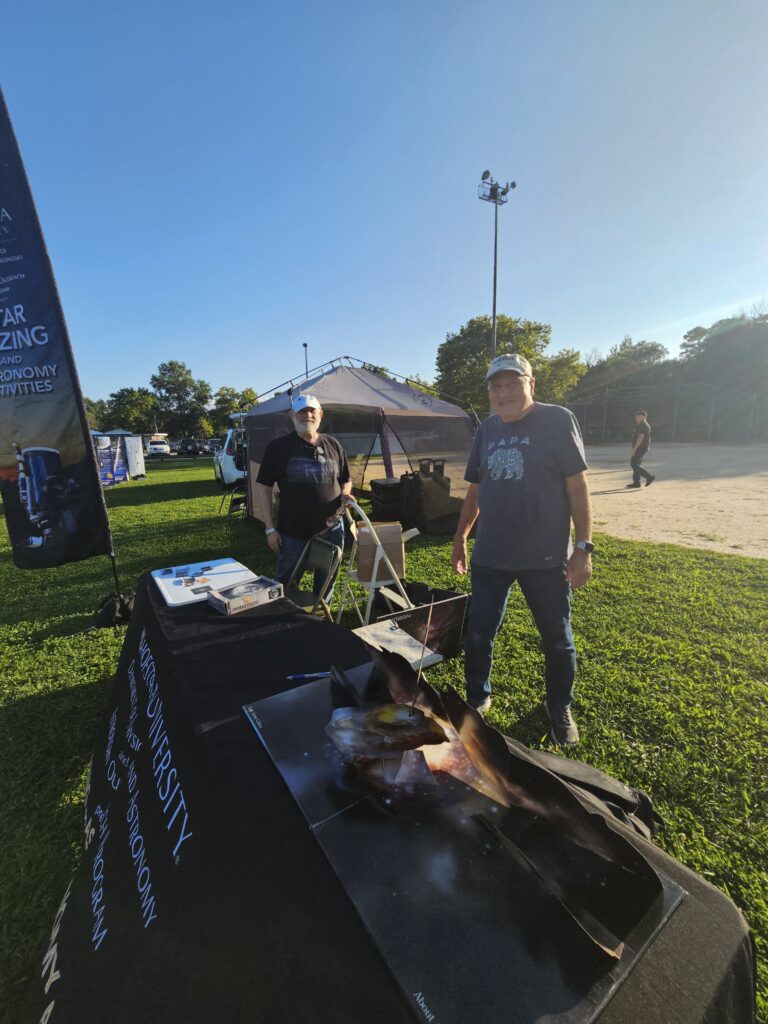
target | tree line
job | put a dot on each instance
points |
(731, 353)
(174, 403)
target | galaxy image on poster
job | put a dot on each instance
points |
(488, 889)
(437, 620)
(54, 506)
(112, 459)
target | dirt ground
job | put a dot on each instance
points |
(704, 496)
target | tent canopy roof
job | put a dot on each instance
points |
(345, 386)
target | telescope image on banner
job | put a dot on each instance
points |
(54, 505)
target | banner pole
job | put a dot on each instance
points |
(117, 579)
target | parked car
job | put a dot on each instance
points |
(158, 448)
(229, 462)
(189, 446)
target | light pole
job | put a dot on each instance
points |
(492, 192)
(306, 363)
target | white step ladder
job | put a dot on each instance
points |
(381, 564)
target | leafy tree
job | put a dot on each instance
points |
(380, 371)
(248, 398)
(625, 363)
(729, 322)
(463, 358)
(557, 375)
(204, 428)
(733, 353)
(417, 381)
(95, 410)
(132, 409)
(227, 401)
(691, 343)
(592, 357)
(182, 400)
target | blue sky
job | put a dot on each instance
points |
(219, 183)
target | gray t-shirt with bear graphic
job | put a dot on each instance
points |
(521, 469)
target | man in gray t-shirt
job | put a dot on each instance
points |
(527, 477)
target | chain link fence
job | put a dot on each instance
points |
(676, 412)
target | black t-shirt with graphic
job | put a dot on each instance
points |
(309, 477)
(642, 430)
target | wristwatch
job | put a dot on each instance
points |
(585, 545)
(272, 529)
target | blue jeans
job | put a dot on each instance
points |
(290, 552)
(548, 597)
(637, 469)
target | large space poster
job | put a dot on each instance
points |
(54, 506)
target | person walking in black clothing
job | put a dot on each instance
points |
(641, 442)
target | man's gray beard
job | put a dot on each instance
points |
(302, 430)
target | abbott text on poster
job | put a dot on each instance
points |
(51, 493)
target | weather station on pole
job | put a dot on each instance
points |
(493, 192)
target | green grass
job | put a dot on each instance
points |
(673, 648)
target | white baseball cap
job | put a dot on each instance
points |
(512, 362)
(305, 402)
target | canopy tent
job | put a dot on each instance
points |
(387, 428)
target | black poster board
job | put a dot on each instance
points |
(200, 895)
(459, 923)
(251, 924)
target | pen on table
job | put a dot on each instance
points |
(307, 675)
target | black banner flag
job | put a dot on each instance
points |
(54, 505)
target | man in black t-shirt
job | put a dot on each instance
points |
(641, 442)
(312, 475)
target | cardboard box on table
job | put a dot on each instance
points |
(259, 590)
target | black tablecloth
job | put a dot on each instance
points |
(203, 896)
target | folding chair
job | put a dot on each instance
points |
(224, 495)
(318, 556)
(238, 501)
(228, 490)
